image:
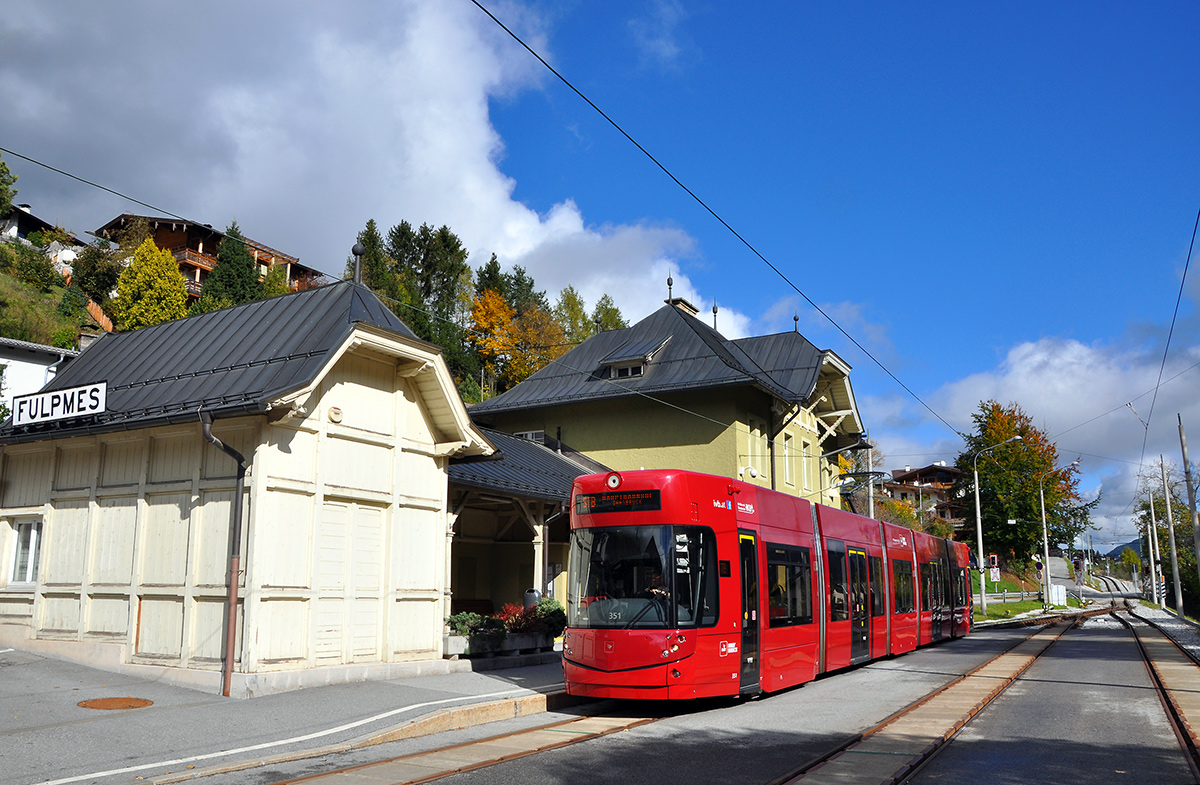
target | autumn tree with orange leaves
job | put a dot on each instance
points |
(1008, 485)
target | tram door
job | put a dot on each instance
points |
(749, 559)
(860, 606)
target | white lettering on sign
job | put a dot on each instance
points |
(746, 508)
(60, 404)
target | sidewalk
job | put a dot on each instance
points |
(48, 738)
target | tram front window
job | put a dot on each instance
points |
(642, 577)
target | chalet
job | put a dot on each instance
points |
(672, 392)
(194, 247)
(299, 443)
(929, 489)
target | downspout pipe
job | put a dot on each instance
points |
(235, 550)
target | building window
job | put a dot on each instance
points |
(629, 370)
(789, 476)
(532, 436)
(805, 449)
(24, 557)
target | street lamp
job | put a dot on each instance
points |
(979, 521)
(1045, 536)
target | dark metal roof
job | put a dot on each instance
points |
(695, 357)
(519, 467)
(788, 358)
(231, 361)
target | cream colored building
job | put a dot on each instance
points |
(115, 528)
(672, 392)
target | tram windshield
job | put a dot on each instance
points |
(642, 577)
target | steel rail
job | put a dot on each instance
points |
(929, 752)
(1171, 709)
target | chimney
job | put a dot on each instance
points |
(684, 306)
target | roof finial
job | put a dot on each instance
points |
(714, 314)
(796, 319)
(358, 250)
(670, 283)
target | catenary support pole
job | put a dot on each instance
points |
(1155, 555)
(1162, 465)
(1191, 489)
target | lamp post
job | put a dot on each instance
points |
(979, 521)
(1045, 535)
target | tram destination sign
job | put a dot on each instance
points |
(59, 404)
(618, 501)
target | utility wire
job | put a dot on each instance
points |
(715, 215)
(250, 245)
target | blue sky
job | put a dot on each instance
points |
(996, 201)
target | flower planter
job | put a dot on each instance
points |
(454, 646)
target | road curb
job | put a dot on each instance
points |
(441, 721)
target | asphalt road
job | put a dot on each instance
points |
(46, 736)
(1084, 713)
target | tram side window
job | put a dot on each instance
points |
(902, 585)
(926, 586)
(789, 576)
(878, 600)
(839, 600)
(960, 587)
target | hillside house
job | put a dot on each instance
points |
(194, 247)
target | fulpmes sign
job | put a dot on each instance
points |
(60, 404)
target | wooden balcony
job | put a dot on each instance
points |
(187, 256)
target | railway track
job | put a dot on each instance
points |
(890, 752)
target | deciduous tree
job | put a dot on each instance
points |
(572, 317)
(1009, 481)
(150, 290)
(607, 316)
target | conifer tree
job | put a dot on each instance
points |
(235, 278)
(150, 290)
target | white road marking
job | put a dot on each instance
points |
(280, 743)
(6, 651)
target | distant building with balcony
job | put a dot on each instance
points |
(929, 490)
(194, 247)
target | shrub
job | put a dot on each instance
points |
(483, 631)
(72, 303)
(35, 269)
(547, 616)
(63, 338)
(552, 614)
(8, 257)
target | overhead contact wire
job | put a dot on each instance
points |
(719, 219)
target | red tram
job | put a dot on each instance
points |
(685, 585)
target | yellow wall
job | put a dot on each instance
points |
(709, 432)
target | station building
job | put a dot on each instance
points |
(116, 525)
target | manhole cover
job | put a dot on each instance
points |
(109, 704)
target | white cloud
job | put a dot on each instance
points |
(655, 32)
(1076, 392)
(302, 125)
